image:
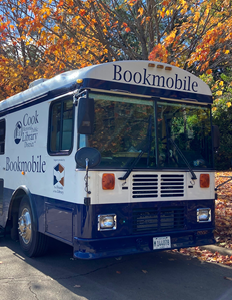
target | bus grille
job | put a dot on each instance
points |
(152, 185)
(162, 219)
(172, 185)
(145, 186)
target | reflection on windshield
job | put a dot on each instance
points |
(121, 134)
(189, 127)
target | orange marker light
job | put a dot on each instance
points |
(204, 180)
(108, 181)
(168, 68)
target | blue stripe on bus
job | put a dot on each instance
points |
(146, 91)
(77, 224)
(109, 85)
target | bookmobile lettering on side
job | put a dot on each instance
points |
(111, 159)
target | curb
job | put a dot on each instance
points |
(220, 250)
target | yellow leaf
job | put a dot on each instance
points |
(219, 93)
(214, 108)
(206, 12)
(56, 28)
(197, 16)
(140, 10)
(228, 104)
(221, 83)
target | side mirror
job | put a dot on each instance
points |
(216, 137)
(89, 158)
(91, 155)
(85, 115)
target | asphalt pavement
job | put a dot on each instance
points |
(157, 275)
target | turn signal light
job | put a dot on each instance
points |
(204, 180)
(108, 181)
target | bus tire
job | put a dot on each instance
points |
(33, 243)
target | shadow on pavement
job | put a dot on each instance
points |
(159, 275)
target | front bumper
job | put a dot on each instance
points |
(118, 246)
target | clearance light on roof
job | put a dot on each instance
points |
(160, 66)
(204, 180)
(79, 80)
(151, 65)
(108, 181)
(168, 68)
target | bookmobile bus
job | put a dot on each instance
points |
(111, 159)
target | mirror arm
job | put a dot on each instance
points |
(78, 95)
(86, 178)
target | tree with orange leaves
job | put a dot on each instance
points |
(40, 38)
(201, 40)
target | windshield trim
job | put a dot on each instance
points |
(151, 102)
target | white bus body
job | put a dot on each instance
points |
(159, 204)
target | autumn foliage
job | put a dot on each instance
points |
(201, 38)
(40, 38)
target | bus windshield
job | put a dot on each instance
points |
(126, 127)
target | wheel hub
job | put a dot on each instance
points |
(25, 226)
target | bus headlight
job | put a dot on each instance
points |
(107, 222)
(204, 215)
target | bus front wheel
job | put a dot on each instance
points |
(33, 243)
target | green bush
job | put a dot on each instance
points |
(222, 117)
(221, 86)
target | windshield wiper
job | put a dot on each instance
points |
(194, 177)
(141, 153)
(132, 166)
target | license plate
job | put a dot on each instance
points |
(162, 242)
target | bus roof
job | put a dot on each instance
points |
(145, 78)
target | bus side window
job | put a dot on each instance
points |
(2, 136)
(61, 127)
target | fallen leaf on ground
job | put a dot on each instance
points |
(223, 225)
(227, 278)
